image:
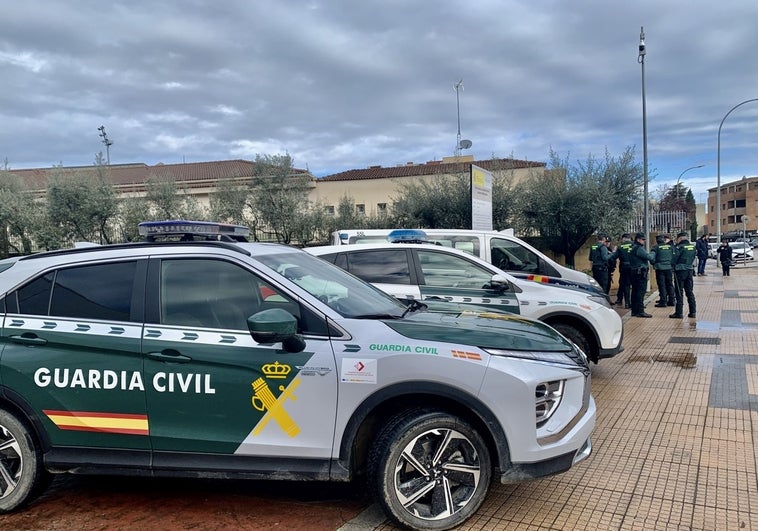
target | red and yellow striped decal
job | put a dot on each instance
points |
(467, 355)
(124, 423)
(538, 278)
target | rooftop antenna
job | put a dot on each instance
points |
(108, 144)
(459, 144)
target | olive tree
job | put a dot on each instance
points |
(278, 196)
(17, 215)
(82, 205)
(445, 201)
(570, 201)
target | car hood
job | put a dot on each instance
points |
(482, 329)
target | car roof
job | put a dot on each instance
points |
(520, 282)
(19, 268)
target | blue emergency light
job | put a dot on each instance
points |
(407, 236)
(204, 230)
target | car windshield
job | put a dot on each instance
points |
(343, 292)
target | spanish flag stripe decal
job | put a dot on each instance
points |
(467, 355)
(124, 423)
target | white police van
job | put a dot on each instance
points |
(186, 355)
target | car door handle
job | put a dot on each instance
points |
(28, 339)
(169, 355)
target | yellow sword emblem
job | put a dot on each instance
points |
(264, 400)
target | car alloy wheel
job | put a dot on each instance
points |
(434, 470)
(22, 476)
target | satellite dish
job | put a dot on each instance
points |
(465, 144)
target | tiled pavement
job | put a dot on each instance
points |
(675, 445)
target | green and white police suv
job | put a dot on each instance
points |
(427, 272)
(220, 359)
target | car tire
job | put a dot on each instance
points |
(22, 473)
(429, 469)
(572, 334)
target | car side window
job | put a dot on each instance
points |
(101, 291)
(383, 266)
(449, 271)
(510, 256)
(34, 298)
(210, 293)
(469, 244)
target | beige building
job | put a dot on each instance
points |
(738, 198)
(371, 189)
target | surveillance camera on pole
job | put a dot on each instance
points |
(460, 143)
(108, 144)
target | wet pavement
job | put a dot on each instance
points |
(676, 440)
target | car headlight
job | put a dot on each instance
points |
(561, 358)
(597, 299)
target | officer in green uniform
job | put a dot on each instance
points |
(664, 255)
(639, 263)
(684, 256)
(622, 254)
(599, 256)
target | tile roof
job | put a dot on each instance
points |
(124, 175)
(137, 174)
(430, 168)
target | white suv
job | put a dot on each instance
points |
(421, 271)
(250, 360)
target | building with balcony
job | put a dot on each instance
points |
(738, 198)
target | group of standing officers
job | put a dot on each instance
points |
(673, 264)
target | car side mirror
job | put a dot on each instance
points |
(498, 282)
(274, 326)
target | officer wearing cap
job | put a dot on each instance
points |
(599, 256)
(664, 255)
(622, 254)
(639, 263)
(684, 256)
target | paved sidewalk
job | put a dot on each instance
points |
(675, 445)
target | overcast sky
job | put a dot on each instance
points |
(350, 84)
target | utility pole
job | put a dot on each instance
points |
(645, 195)
(108, 144)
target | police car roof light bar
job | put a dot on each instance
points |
(150, 230)
(407, 236)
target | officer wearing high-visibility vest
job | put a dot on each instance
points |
(664, 255)
(599, 256)
(639, 263)
(684, 270)
(622, 254)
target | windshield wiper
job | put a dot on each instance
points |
(377, 316)
(414, 306)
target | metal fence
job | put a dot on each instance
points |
(661, 222)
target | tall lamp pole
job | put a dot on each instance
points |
(108, 144)
(458, 87)
(680, 178)
(645, 198)
(718, 169)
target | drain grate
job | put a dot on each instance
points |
(696, 340)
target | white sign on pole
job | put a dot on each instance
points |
(481, 199)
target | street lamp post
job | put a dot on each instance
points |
(458, 88)
(745, 219)
(718, 169)
(645, 198)
(680, 178)
(108, 143)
